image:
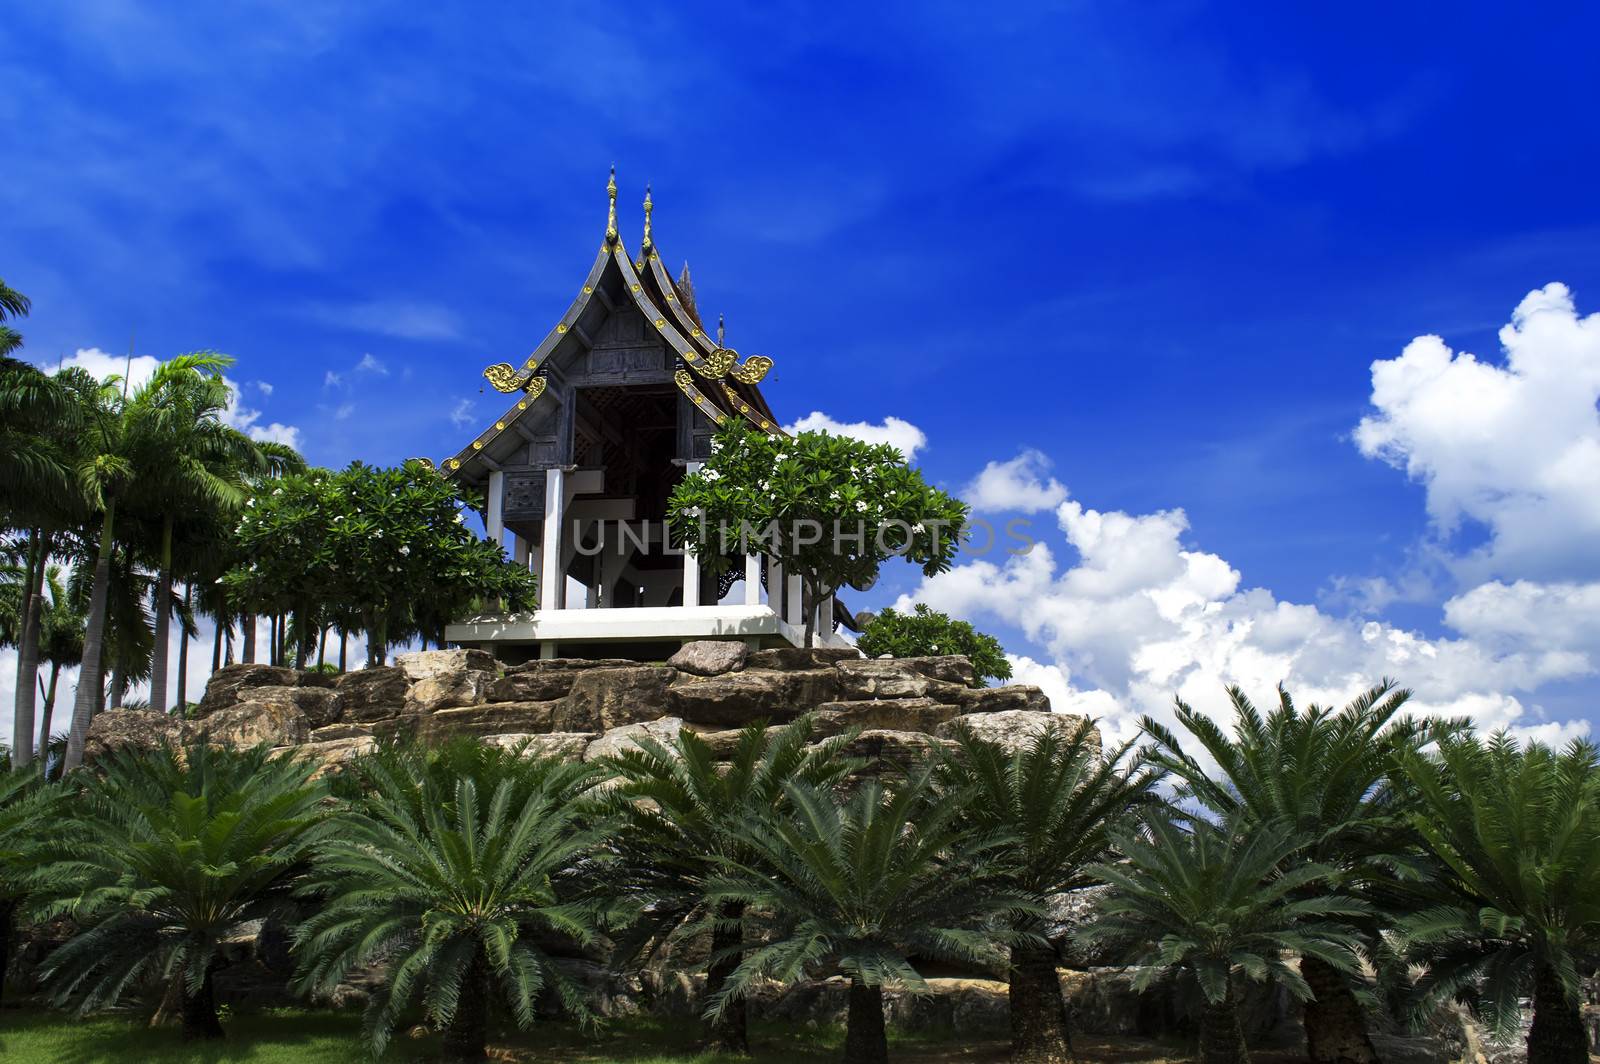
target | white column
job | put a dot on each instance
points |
(824, 619)
(775, 586)
(519, 550)
(493, 521)
(752, 579)
(794, 595)
(551, 580)
(691, 563)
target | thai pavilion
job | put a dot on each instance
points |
(616, 403)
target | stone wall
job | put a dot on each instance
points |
(583, 709)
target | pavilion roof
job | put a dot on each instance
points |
(709, 374)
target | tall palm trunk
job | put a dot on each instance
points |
(216, 646)
(865, 1039)
(182, 698)
(163, 620)
(28, 649)
(247, 638)
(119, 684)
(1221, 1036)
(94, 639)
(1038, 1014)
(466, 1038)
(1336, 1027)
(1557, 1035)
(730, 1032)
(49, 711)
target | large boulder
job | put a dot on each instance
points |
(322, 706)
(493, 719)
(568, 746)
(882, 748)
(1012, 729)
(373, 693)
(891, 714)
(428, 664)
(791, 658)
(709, 657)
(532, 685)
(250, 724)
(335, 754)
(602, 699)
(132, 729)
(945, 678)
(738, 698)
(1000, 699)
(618, 740)
(222, 690)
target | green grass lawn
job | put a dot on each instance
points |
(302, 1037)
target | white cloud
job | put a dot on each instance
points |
(1563, 615)
(461, 415)
(1515, 447)
(1019, 484)
(102, 365)
(1138, 617)
(370, 364)
(245, 419)
(901, 434)
(264, 386)
(330, 379)
(398, 318)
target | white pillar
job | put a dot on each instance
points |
(775, 586)
(494, 521)
(519, 550)
(824, 619)
(552, 582)
(691, 563)
(752, 579)
(794, 595)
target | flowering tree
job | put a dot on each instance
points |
(387, 546)
(829, 509)
(927, 631)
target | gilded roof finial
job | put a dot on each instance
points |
(611, 213)
(648, 206)
(722, 330)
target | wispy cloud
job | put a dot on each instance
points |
(401, 319)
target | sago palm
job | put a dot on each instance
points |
(1057, 799)
(179, 848)
(456, 868)
(1221, 902)
(860, 885)
(30, 816)
(1325, 774)
(682, 812)
(1516, 906)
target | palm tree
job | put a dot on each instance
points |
(30, 811)
(1516, 831)
(204, 465)
(456, 867)
(1325, 773)
(180, 848)
(1216, 901)
(122, 440)
(683, 815)
(1057, 799)
(860, 885)
(60, 645)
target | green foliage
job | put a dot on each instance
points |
(787, 497)
(1055, 801)
(1516, 830)
(861, 884)
(386, 548)
(31, 815)
(1219, 900)
(457, 867)
(925, 631)
(177, 849)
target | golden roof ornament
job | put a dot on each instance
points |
(648, 206)
(506, 378)
(611, 212)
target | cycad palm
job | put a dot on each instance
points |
(862, 884)
(1215, 901)
(683, 813)
(1058, 800)
(1325, 774)
(30, 810)
(1517, 905)
(179, 848)
(452, 866)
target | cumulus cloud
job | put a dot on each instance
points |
(246, 419)
(1020, 484)
(102, 365)
(1137, 617)
(1514, 447)
(902, 434)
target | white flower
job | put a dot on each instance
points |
(918, 527)
(461, 519)
(404, 549)
(861, 507)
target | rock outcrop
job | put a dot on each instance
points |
(901, 709)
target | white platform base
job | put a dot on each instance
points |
(756, 624)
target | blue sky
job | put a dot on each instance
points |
(1161, 245)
